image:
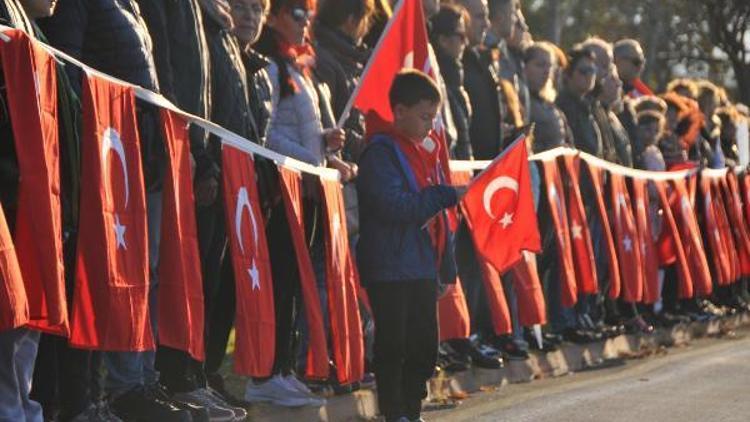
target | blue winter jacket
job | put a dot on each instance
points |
(393, 245)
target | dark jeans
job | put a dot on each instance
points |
(406, 342)
(669, 289)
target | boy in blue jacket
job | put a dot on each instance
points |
(405, 249)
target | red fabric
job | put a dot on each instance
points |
(649, 255)
(639, 89)
(614, 266)
(626, 235)
(453, 314)
(726, 239)
(685, 280)
(31, 83)
(498, 305)
(181, 314)
(583, 249)
(741, 230)
(499, 209)
(404, 45)
(559, 214)
(341, 280)
(317, 351)
(720, 261)
(14, 307)
(531, 306)
(255, 321)
(110, 307)
(746, 195)
(691, 239)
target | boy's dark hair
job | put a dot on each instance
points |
(409, 87)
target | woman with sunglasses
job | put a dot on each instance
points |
(301, 110)
(578, 81)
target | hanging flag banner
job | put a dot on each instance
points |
(14, 307)
(559, 214)
(341, 280)
(31, 86)
(580, 236)
(317, 352)
(110, 306)
(645, 217)
(181, 313)
(255, 321)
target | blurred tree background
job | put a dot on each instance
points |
(702, 38)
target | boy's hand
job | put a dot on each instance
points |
(334, 138)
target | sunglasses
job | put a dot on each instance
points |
(300, 14)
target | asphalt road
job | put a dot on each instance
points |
(708, 381)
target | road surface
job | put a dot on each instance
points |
(707, 381)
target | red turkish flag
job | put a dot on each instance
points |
(529, 294)
(181, 314)
(580, 237)
(691, 239)
(341, 280)
(499, 209)
(31, 84)
(726, 237)
(685, 286)
(746, 195)
(498, 305)
(740, 229)
(559, 214)
(720, 261)
(626, 233)
(317, 352)
(453, 314)
(403, 45)
(647, 245)
(14, 307)
(255, 321)
(110, 307)
(614, 265)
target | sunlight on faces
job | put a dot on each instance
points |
(582, 80)
(538, 71)
(248, 17)
(415, 121)
(292, 23)
(611, 86)
(479, 14)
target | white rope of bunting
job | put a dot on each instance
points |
(464, 165)
(227, 137)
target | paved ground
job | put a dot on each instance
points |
(707, 381)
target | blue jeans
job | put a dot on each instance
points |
(128, 370)
(17, 356)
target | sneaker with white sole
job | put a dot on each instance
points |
(278, 391)
(240, 413)
(202, 398)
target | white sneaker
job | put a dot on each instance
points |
(279, 392)
(298, 385)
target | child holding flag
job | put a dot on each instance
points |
(403, 252)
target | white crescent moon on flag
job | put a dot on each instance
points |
(502, 182)
(243, 202)
(111, 141)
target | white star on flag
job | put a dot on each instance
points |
(621, 200)
(627, 243)
(254, 276)
(120, 233)
(507, 220)
(577, 230)
(717, 235)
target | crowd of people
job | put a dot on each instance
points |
(280, 73)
